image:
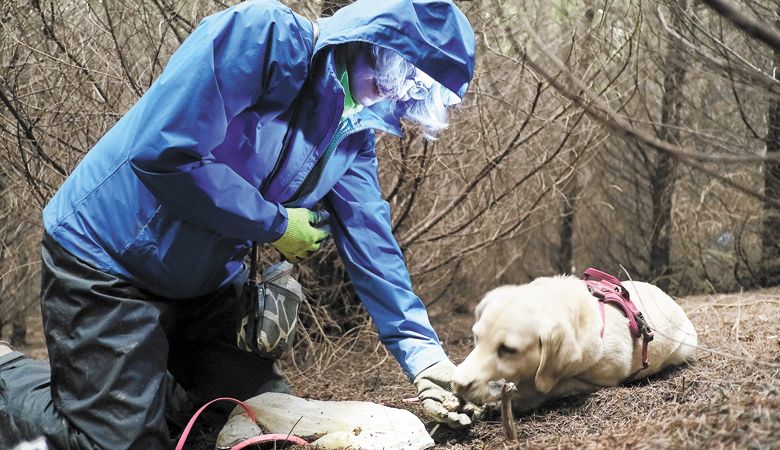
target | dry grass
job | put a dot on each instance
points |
(730, 398)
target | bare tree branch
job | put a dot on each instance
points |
(602, 113)
(753, 27)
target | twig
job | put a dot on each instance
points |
(507, 417)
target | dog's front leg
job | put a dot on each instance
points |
(573, 386)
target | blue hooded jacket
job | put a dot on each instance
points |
(245, 119)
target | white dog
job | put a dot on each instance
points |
(545, 337)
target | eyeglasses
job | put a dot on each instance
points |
(418, 91)
(417, 85)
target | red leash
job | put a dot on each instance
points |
(608, 289)
(246, 443)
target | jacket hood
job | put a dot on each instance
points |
(434, 35)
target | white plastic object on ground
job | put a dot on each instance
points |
(37, 444)
(327, 424)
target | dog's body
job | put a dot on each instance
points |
(545, 337)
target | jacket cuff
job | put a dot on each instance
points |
(422, 360)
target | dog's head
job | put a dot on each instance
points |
(533, 335)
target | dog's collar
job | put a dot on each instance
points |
(608, 289)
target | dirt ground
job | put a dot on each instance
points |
(729, 398)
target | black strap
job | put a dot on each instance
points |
(253, 264)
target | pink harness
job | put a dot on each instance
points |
(607, 289)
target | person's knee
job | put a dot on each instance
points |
(26, 413)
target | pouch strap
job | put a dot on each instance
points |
(253, 263)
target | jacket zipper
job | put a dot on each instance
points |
(313, 178)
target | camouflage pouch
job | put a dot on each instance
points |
(270, 313)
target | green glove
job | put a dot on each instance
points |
(434, 390)
(305, 232)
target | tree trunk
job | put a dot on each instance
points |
(19, 332)
(573, 187)
(664, 173)
(566, 229)
(770, 258)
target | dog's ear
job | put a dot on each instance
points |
(561, 354)
(481, 307)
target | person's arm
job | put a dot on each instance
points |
(363, 235)
(362, 232)
(253, 55)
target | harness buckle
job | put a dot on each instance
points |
(644, 328)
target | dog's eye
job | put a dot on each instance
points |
(503, 350)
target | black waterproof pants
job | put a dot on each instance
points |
(124, 364)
